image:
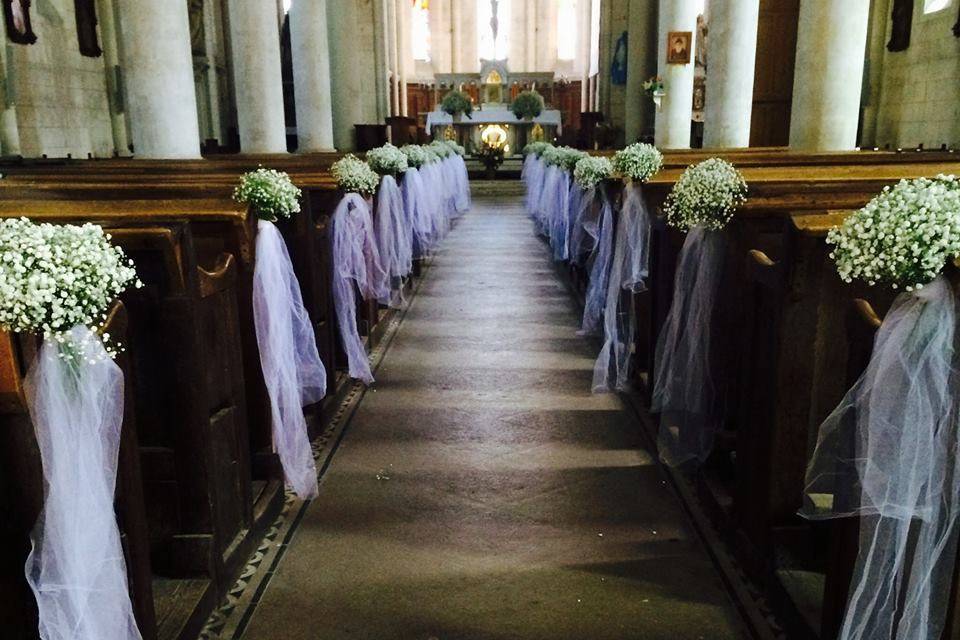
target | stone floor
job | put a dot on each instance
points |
(481, 491)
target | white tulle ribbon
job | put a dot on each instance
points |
(292, 370)
(547, 206)
(534, 177)
(628, 272)
(684, 391)
(603, 230)
(356, 265)
(462, 201)
(394, 239)
(76, 568)
(889, 455)
(560, 216)
(417, 209)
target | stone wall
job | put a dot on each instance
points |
(914, 95)
(60, 95)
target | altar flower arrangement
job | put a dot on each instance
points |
(706, 195)
(903, 237)
(416, 155)
(537, 148)
(387, 160)
(355, 176)
(457, 103)
(638, 162)
(591, 171)
(271, 194)
(456, 148)
(527, 105)
(57, 277)
(569, 157)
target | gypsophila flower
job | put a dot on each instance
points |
(355, 176)
(57, 277)
(387, 160)
(441, 148)
(431, 153)
(416, 155)
(537, 148)
(569, 157)
(638, 162)
(707, 194)
(592, 170)
(456, 148)
(903, 237)
(552, 156)
(271, 194)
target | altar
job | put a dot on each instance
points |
(492, 122)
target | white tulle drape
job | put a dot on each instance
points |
(356, 265)
(580, 202)
(889, 454)
(684, 392)
(76, 568)
(394, 239)
(547, 205)
(292, 370)
(559, 216)
(533, 176)
(437, 204)
(460, 181)
(416, 207)
(602, 229)
(628, 272)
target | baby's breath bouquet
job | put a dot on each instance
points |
(269, 193)
(355, 176)
(569, 157)
(441, 148)
(638, 162)
(456, 148)
(591, 171)
(552, 156)
(903, 237)
(706, 195)
(416, 155)
(537, 148)
(387, 160)
(57, 277)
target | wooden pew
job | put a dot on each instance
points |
(21, 489)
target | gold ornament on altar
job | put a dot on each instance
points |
(449, 133)
(494, 136)
(536, 133)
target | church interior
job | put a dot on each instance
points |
(480, 319)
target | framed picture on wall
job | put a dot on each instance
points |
(16, 13)
(86, 12)
(679, 44)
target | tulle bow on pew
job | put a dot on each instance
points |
(598, 223)
(548, 202)
(76, 568)
(436, 204)
(462, 200)
(533, 176)
(416, 205)
(356, 267)
(292, 370)
(580, 202)
(559, 216)
(683, 391)
(628, 272)
(394, 239)
(889, 455)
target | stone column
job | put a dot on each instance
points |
(456, 36)
(831, 45)
(311, 75)
(732, 57)
(583, 51)
(353, 70)
(641, 64)
(403, 52)
(673, 120)
(256, 75)
(211, 28)
(9, 127)
(394, 57)
(158, 65)
(111, 62)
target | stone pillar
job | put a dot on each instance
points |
(583, 51)
(403, 52)
(456, 36)
(381, 57)
(212, 28)
(111, 67)
(394, 57)
(9, 127)
(311, 75)
(674, 119)
(353, 79)
(158, 65)
(256, 75)
(831, 45)
(733, 53)
(641, 64)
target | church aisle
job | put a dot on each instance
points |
(481, 491)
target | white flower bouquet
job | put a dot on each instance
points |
(416, 156)
(456, 148)
(552, 156)
(903, 237)
(537, 148)
(441, 148)
(706, 195)
(569, 157)
(387, 160)
(591, 171)
(638, 162)
(270, 194)
(57, 277)
(355, 176)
